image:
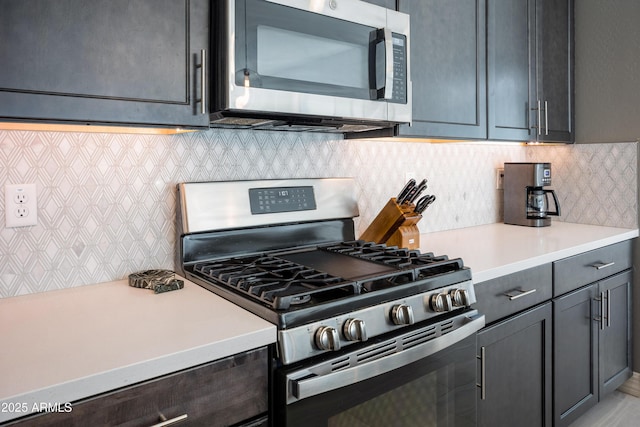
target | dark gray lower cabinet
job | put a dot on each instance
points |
(615, 333)
(515, 370)
(229, 391)
(592, 351)
(575, 351)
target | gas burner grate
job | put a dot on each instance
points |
(389, 255)
(424, 264)
(277, 282)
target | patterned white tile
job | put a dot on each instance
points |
(107, 202)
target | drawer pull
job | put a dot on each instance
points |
(165, 422)
(601, 265)
(520, 295)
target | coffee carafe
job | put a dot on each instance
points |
(526, 201)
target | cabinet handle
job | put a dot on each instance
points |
(600, 318)
(165, 422)
(539, 117)
(483, 373)
(520, 295)
(601, 265)
(546, 118)
(608, 308)
(203, 82)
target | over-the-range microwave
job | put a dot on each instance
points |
(328, 65)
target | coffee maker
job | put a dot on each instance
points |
(526, 202)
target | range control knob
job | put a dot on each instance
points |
(459, 297)
(327, 338)
(402, 314)
(354, 330)
(440, 302)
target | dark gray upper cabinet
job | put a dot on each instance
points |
(105, 61)
(530, 70)
(555, 59)
(448, 69)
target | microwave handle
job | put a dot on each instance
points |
(383, 45)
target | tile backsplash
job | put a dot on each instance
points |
(106, 202)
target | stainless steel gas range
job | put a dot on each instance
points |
(356, 320)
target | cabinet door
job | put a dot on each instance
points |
(555, 70)
(225, 392)
(515, 370)
(615, 332)
(448, 70)
(510, 68)
(575, 352)
(106, 61)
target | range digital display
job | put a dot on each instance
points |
(281, 199)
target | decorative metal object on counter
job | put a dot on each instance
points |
(396, 223)
(157, 280)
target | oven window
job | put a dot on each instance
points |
(437, 391)
(404, 406)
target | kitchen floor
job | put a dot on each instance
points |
(616, 410)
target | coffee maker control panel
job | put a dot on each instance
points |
(541, 175)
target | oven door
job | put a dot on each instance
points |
(315, 57)
(424, 377)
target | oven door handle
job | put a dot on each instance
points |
(308, 387)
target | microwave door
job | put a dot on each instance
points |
(298, 61)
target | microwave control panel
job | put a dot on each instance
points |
(400, 77)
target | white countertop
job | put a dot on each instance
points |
(495, 250)
(61, 346)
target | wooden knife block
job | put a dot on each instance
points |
(395, 225)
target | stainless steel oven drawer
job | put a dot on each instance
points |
(588, 267)
(506, 295)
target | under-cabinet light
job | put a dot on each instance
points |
(55, 127)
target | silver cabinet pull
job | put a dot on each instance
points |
(539, 117)
(600, 318)
(483, 372)
(546, 118)
(520, 295)
(601, 265)
(203, 82)
(608, 308)
(165, 422)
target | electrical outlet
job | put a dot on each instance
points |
(500, 179)
(20, 205)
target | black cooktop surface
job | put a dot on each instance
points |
(309, 278)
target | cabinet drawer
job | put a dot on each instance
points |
(220, 393)
(504, 296)
(582, 269)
